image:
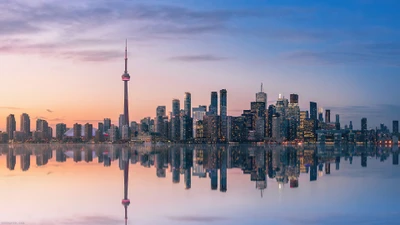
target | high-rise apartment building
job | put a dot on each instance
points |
(25, 123)
(11, 126)
(88, 132)
(364, 126)
(198, 115)
(61, 128)
(77, 130)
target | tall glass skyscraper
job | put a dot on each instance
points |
(213, 109)
(188, 104)
(313, 111)
(223, 114)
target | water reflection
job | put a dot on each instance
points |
(283, 164)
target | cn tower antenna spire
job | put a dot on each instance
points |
(261, 87)
(126, 55)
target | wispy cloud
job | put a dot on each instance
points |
(208, 219)
(349, 54)
(85, 220)
(197, 58)
(10, 108)
(49, 110)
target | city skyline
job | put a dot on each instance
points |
(207, 53)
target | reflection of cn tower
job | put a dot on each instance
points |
(126, 201)
(125, 79)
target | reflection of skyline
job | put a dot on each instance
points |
(280, 163)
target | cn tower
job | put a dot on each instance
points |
(125, 79)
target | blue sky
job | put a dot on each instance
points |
(343, 54)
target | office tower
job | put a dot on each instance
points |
(300, 128)
(125, 78)
(113, 133)
(259, 112)
(186, 126)
(351, 125)
(77, 130)
(160, 115)
(313, 110)
(364, 126)
(121, 120)
(337, 122)
(294, 109)
(282, 107)
(198, 115)
(327, 116)
(310, 127)
(11, 126)
(25, 123)
(61, 128)
(276, 127)
(262, 96)
(271, 112)
(223, 114)
(88, 131)
(187, 104)
(175, 120)
(238, 129)
(100, 127)
(211, 124)
(107, 124)
(395, 127)
(294, 98)
(213, 109)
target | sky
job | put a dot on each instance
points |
(63, 61)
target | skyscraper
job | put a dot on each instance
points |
(160, 114)
(107, 124)
(125, 78)
(364, 125)
(61, 128)
(11, 126)
(294, 98)
(25, 123)
(337, 122)
(198, 115)
(261, 96)
(313, 111)
(223, 114)
(88, 131)
(77, 130)
(327, 116)
(395, 128)
(175, 120)
(187, 105)
(213, 109)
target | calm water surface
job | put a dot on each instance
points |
(84, 184)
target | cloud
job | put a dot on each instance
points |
(85, 220)
(377, 53)
(197, 58)
(10, 108)
(205, 219)
(48, 110)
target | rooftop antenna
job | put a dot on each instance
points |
(261, 87)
